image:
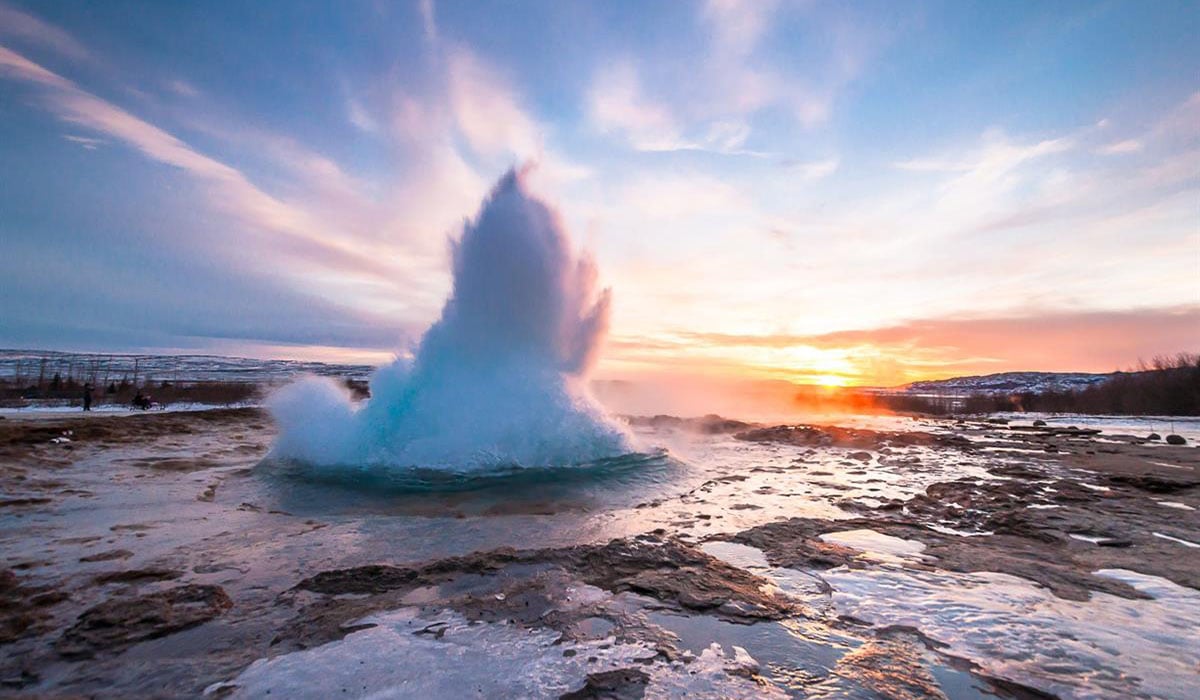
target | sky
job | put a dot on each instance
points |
(839, 193)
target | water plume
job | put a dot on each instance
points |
(498, 380)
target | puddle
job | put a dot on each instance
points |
(1185, 543)
(1106, 647)
(877, 545)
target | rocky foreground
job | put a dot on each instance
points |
(147, 556)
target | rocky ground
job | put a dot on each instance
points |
(147, 555)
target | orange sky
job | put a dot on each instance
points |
(928, 349)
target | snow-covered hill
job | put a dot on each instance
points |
(1010, 383)
(29, 366)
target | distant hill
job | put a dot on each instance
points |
(1166, 386)
(1011, 383)
(35, 366)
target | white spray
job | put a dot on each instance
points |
(498, 380)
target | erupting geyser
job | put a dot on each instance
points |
(498, 380)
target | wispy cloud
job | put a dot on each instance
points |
(183, 88)
(1120, 147)
(738, 24)
(616, 104)
(86, 142)
(713, 103)
(726, 88)
(998, 155)
(357, 114)
(15, 24)
(16, 66)
(234, 193)
(428, 20)
(814, 170)
(486, 111)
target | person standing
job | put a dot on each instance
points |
(87, 397)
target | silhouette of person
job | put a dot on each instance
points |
(87, 397)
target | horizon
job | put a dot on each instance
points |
(1141, 366)
(836, 195)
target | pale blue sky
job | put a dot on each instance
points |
(759, 181)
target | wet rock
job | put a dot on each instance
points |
(1017, 691)
(855, 438)
(137, 576)
(618, 684)
(1176, 440)
(710, 424)
(107, 556)
(372, 579)
(790, 545)
(1039, 424)
(23, 501)
(1154, 483)
(665, 569)
(329, 620)
(674, 572)
(23, 607)
(119, 623)
(1154, 436)
(176, 464)
(860, 456)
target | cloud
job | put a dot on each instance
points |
(735, 82)
(428, 20)
(714, 101)
(357, 115)
(233, 192)
(997, 156)
(1120, 147)
(21, 26)
(1099, 341)
(815, 170)
(88, 143)
(183, 88)
(616, 105)
(738, 24)
(486, 111)
(1181, 123)
(16, 66)
(725, 87)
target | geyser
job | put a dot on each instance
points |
(498, 380)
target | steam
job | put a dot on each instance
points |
(499, 379)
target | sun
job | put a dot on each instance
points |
(830, 381)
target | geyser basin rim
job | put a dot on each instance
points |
(425, 479)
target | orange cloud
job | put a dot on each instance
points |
(1096, 341)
